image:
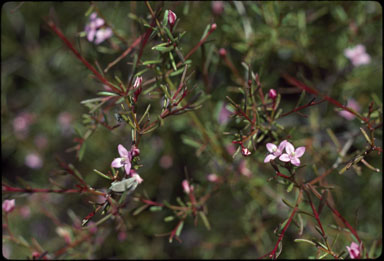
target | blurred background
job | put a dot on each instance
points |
(42, 85)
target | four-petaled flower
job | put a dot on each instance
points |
(124, 160)
(8, 205)
(274, 150)
(354, 250)
(292, 155)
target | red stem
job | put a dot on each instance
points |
(52, 25)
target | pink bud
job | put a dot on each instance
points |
(135, 151)
(213, 178)
(272, 94)
(245, 151)
(137, 82)
(186, 187)
(222, 52)
(171, 18)
(8, 205)
(213, 27)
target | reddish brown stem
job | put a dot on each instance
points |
(52, 25)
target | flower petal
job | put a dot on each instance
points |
(282, 145)
(299, 151)
(269, 158)
(127, 167)
(116, 163)
(285, 157)
(271, 147)
(289, 148)
(295, 161)
(122, 151)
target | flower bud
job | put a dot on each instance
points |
(8, 205)
(138, 82)
(222, 52)
(186, 187)
(272, 94)
(245, 151)
(171, 18)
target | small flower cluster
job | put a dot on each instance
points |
(125, 161)
(291, 154)
(357, 55)
(96, 31)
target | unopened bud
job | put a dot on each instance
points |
(272, 94)
(222, 52)
(245, 151)
(213, 27)
(138, 82)
(186, 187)
(171, 18)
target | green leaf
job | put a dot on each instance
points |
(169, 218)
(140, 209)
(155, 208)
(205, 220)
(108, 93)
(179, 228)
(303, 240)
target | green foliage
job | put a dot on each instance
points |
(75, 124)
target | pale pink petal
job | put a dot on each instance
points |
(271, 147)
(269, 158)
(295, 161)
(289, 148)
(98, 22)
(127, 167)
(137, 177)
(282, 145)
(285, 157)
(122, 151)
(116, 163)
(299, 151)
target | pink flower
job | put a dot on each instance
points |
(124, 160)
(245, 151)
(103, 34)
(353, 105)
(8, 205)
(222, 52)
(292, 155)
(274, 150)
(33, 161)
(171, 18)
(217, 7)
(213, 178)
(354, 250)
(94, 31)
(137, 177)
(272, 94)
(244, 170)
(357, 55)
(186, 187)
